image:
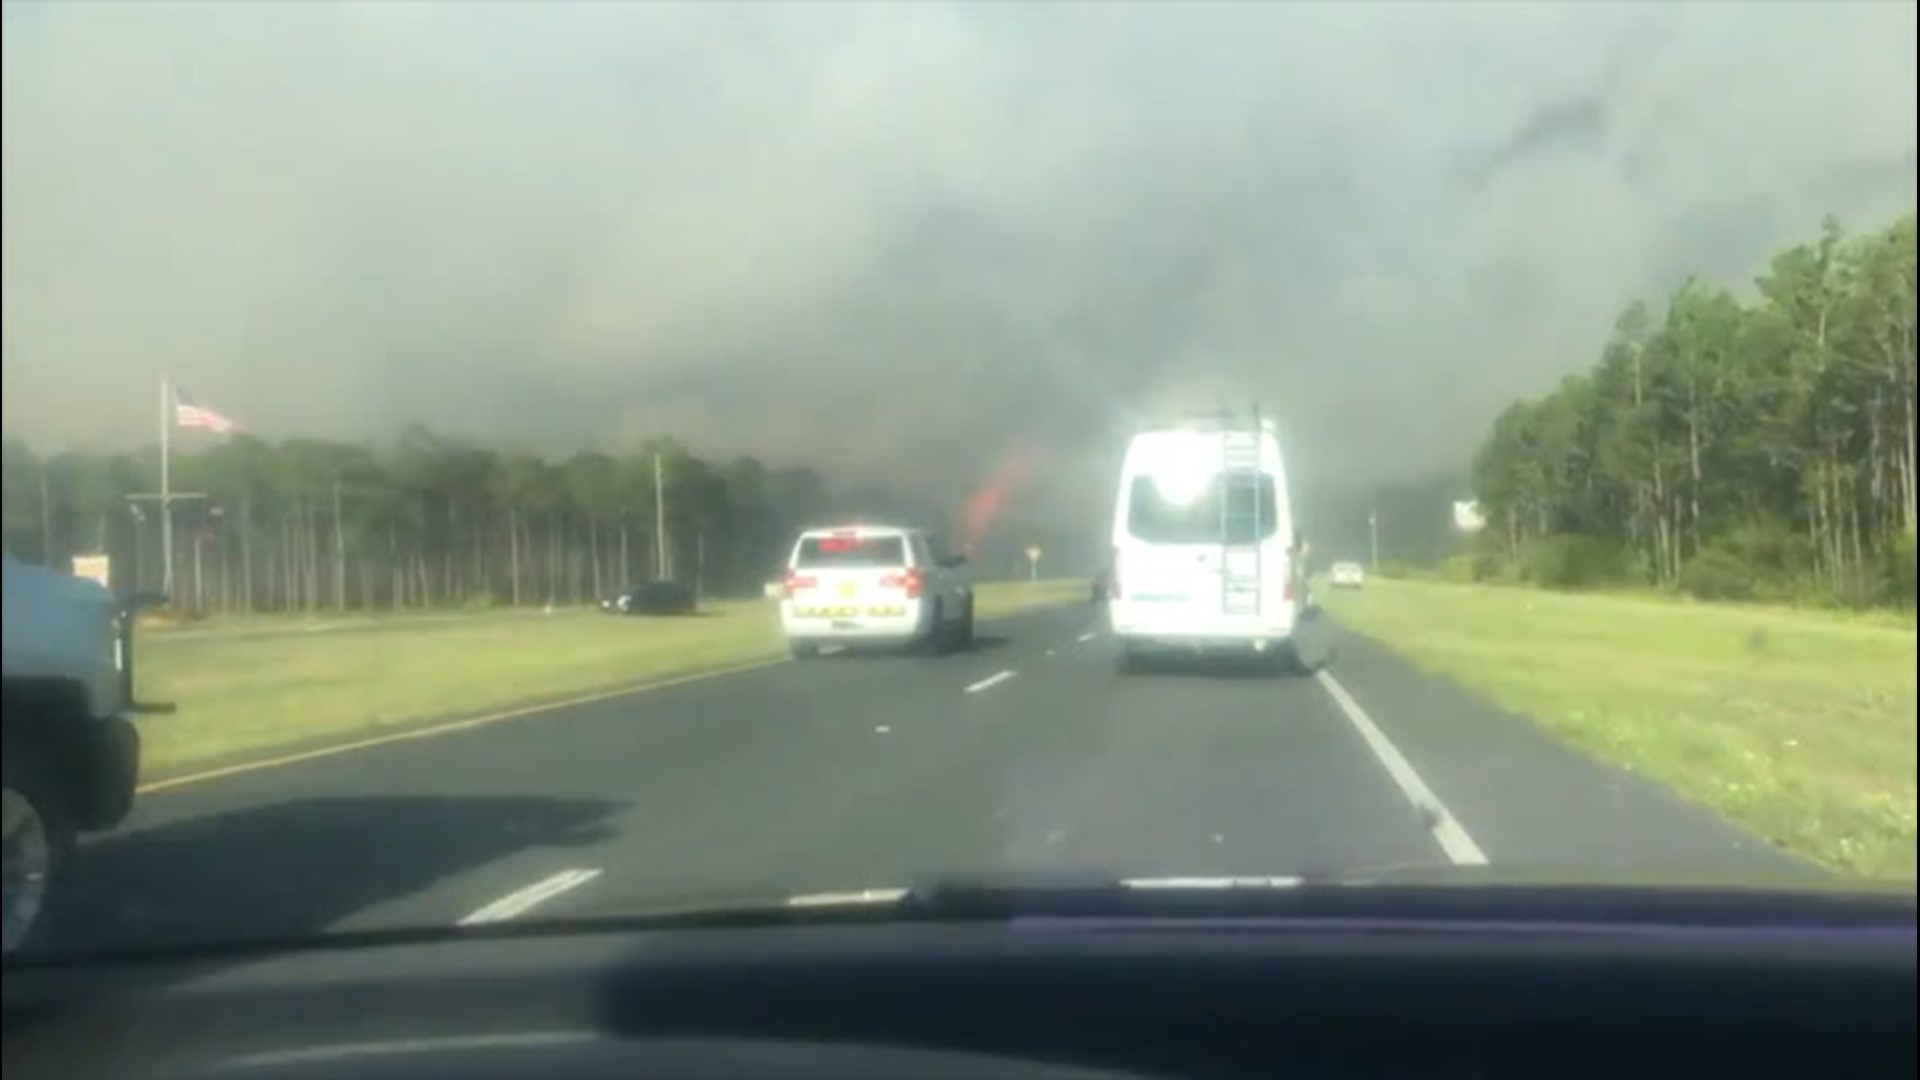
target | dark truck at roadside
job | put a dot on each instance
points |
(653, 598)
(72, 753)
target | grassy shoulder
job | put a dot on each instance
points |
(255, 691)
(1797, 725)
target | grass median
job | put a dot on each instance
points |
(1797, 725)
(250, 695)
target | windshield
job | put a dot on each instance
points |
(846, 552)
(1233, 508)
(574, 458)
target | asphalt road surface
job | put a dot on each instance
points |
(1027, 752)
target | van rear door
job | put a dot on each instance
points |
(1174, 556)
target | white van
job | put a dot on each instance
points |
(1205, 553)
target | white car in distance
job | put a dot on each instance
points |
(1347, 575)
(874, 585)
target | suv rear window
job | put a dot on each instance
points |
(1154, 519)
(851, 551)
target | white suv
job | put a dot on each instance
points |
(873, 585)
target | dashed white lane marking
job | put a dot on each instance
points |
(521, 901)
(991, 681)
(1446, 829)
(1088, 636)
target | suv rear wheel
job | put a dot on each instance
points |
(939, 637)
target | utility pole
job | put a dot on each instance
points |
(659, 518)
(199, 590)
(339, 552)
(1373, 533)
(46, 520)
(166, 489)
(165, 499)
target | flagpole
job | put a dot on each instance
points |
(166, 492)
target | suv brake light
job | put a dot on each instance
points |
(795, 582)
(908, 579)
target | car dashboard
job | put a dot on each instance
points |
(1035, 995)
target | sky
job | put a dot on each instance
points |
(907, 243)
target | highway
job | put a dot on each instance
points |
(1026, 752)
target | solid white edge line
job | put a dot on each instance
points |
(520, 901)
(991, 681)
(1088, 636)
(1446, 829)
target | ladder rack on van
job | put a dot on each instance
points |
(1222, 421)
(1241, 574)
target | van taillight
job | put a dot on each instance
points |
(1113, 577)
(908, 579)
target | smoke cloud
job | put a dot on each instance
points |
(901, 242)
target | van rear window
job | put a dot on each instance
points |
(851, 551)
(1224, 514)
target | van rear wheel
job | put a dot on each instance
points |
(1291, 660)
(939, 637)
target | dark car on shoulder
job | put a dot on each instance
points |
(653, 598)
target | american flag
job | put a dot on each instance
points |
(190, 415)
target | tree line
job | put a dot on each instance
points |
(308, 524)
(1730, 448)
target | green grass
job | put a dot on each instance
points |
(1797, 725)
(244, 695)
(330, 621)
